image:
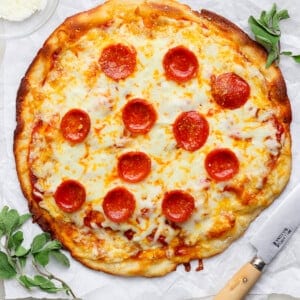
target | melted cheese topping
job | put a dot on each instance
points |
(76, 81)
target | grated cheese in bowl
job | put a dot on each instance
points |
(19, 10)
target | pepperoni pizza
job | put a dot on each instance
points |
(149, 135)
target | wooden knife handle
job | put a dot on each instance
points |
(240, 284)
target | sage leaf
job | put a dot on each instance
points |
(21, 251)
(287, 53)
(295, 57)
(264, 42)
(43, 281)
(47, 285)
(60, 257)
(14, 257)
(267, 33)
(26, 281)
(263, 18)
(52, 245)
(23, 219)
(260, 31)
(270, 14)
(3, 212)
(283, 14)
(39, 281)
(39, 242)
(270, 30)
(11, 221)
(2, 225)
(15, 240)
(42, 258)
(22, 261)
(6, 269)
(52, 290)
(272, 57)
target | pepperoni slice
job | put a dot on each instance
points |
(119, 205)
(180, 64)
(75, 125)
(178, 206)
(70, 196)
(221, 164)
(134, 166)
(230, 90)
(118, 61)
(139, 116)
(190, 130)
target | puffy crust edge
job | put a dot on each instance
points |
(70, 30)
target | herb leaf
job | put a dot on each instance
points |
(289, 53)
(53, 245)
(2, 225)
(39, 242)
(7, 271)
(43, 282)
(10, 221)
(22, 261)
(283, 14)
(42, 258)
(273, 56)
(24, 218)
(296, 58)
(263, 32)
(267, 32)
(60, 257)
(15, 240)
(14, 256)
(39, 281)
(21, 251)
(41, 248)
(26, 281)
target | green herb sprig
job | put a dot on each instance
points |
(13, 255)
(267, 32)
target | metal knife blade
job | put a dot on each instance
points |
(268, 241)
(278, 228)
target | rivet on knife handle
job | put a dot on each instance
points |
(242, 281)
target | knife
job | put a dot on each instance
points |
(268, 241)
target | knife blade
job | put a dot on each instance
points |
(268, 242)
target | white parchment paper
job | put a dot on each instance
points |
(282, 276)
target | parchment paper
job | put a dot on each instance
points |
(282, 276)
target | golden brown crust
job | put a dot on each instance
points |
(70, 31)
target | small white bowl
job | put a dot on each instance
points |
(18, 29)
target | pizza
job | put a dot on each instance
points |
(149, 135)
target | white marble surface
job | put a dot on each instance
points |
(282, 276)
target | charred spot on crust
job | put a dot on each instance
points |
(278, 90)
(224, 23)
(229, 27)
(21, 94)
(278, 94)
